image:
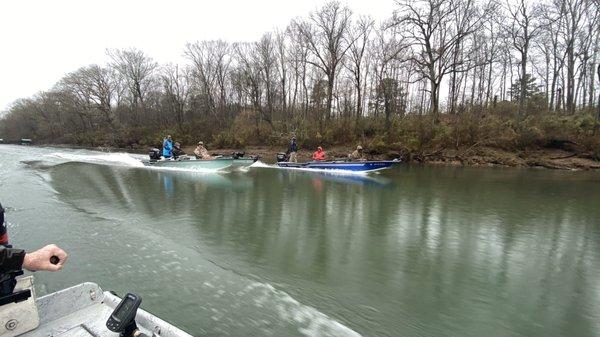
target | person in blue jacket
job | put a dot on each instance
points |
(168, 147)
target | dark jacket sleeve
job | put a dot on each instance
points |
(11, 259)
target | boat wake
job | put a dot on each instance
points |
(308, 320)
(118, 158)
(185, 170)
(260, 164)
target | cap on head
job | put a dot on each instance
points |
(294, 137)
(200, 143)
(169, 136)
(320, 148)
(359, 147)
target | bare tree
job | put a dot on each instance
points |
(267, 61)
(281, 51)
(176, 85)
(325, 36)
(552, 17)
(327, 68)
(429, 26)
(389, 51)
(251, 70)
(358, 41)
(299, 55)
(574, 11)
(523, 25)
(136, 69)
(91, 89)
(211, 61)
(598, 104)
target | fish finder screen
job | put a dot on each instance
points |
(125, 308)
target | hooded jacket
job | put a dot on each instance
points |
(167, 148)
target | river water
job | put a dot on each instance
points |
(414, 251)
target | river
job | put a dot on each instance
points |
(414, 251)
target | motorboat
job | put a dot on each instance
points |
(235, 160)
(81, 310)
(339, 165)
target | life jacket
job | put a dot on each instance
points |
(319, 155)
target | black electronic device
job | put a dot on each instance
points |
(122, 318)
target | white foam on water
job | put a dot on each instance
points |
(123, 159)
(117, 158)
(259, 163)
(310, 321)
(325, 171)
(198, 170)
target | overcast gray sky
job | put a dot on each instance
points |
(42, 40)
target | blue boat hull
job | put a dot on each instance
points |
(361, 166)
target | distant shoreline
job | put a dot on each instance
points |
(558, 159)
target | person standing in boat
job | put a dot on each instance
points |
(201, 152)
(293, 158)
(319, 155)
(357, 155)
(167, 147)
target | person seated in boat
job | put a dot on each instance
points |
(357, 155)
(167, 151)
(201, 152)
(319, 155)
(177, 151)
(292, 157)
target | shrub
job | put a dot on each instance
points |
(227, 139)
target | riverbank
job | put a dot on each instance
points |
(549, 158)
(554, 141)
(560, 159)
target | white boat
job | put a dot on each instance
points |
(81, 310)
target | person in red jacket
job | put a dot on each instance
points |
(319, 154)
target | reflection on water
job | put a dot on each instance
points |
(414, 251)
(474, 252)
(318, 178)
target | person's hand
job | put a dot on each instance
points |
(40, 259)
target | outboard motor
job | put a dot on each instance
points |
(154, 153)
(238, 154)
(281, 157)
